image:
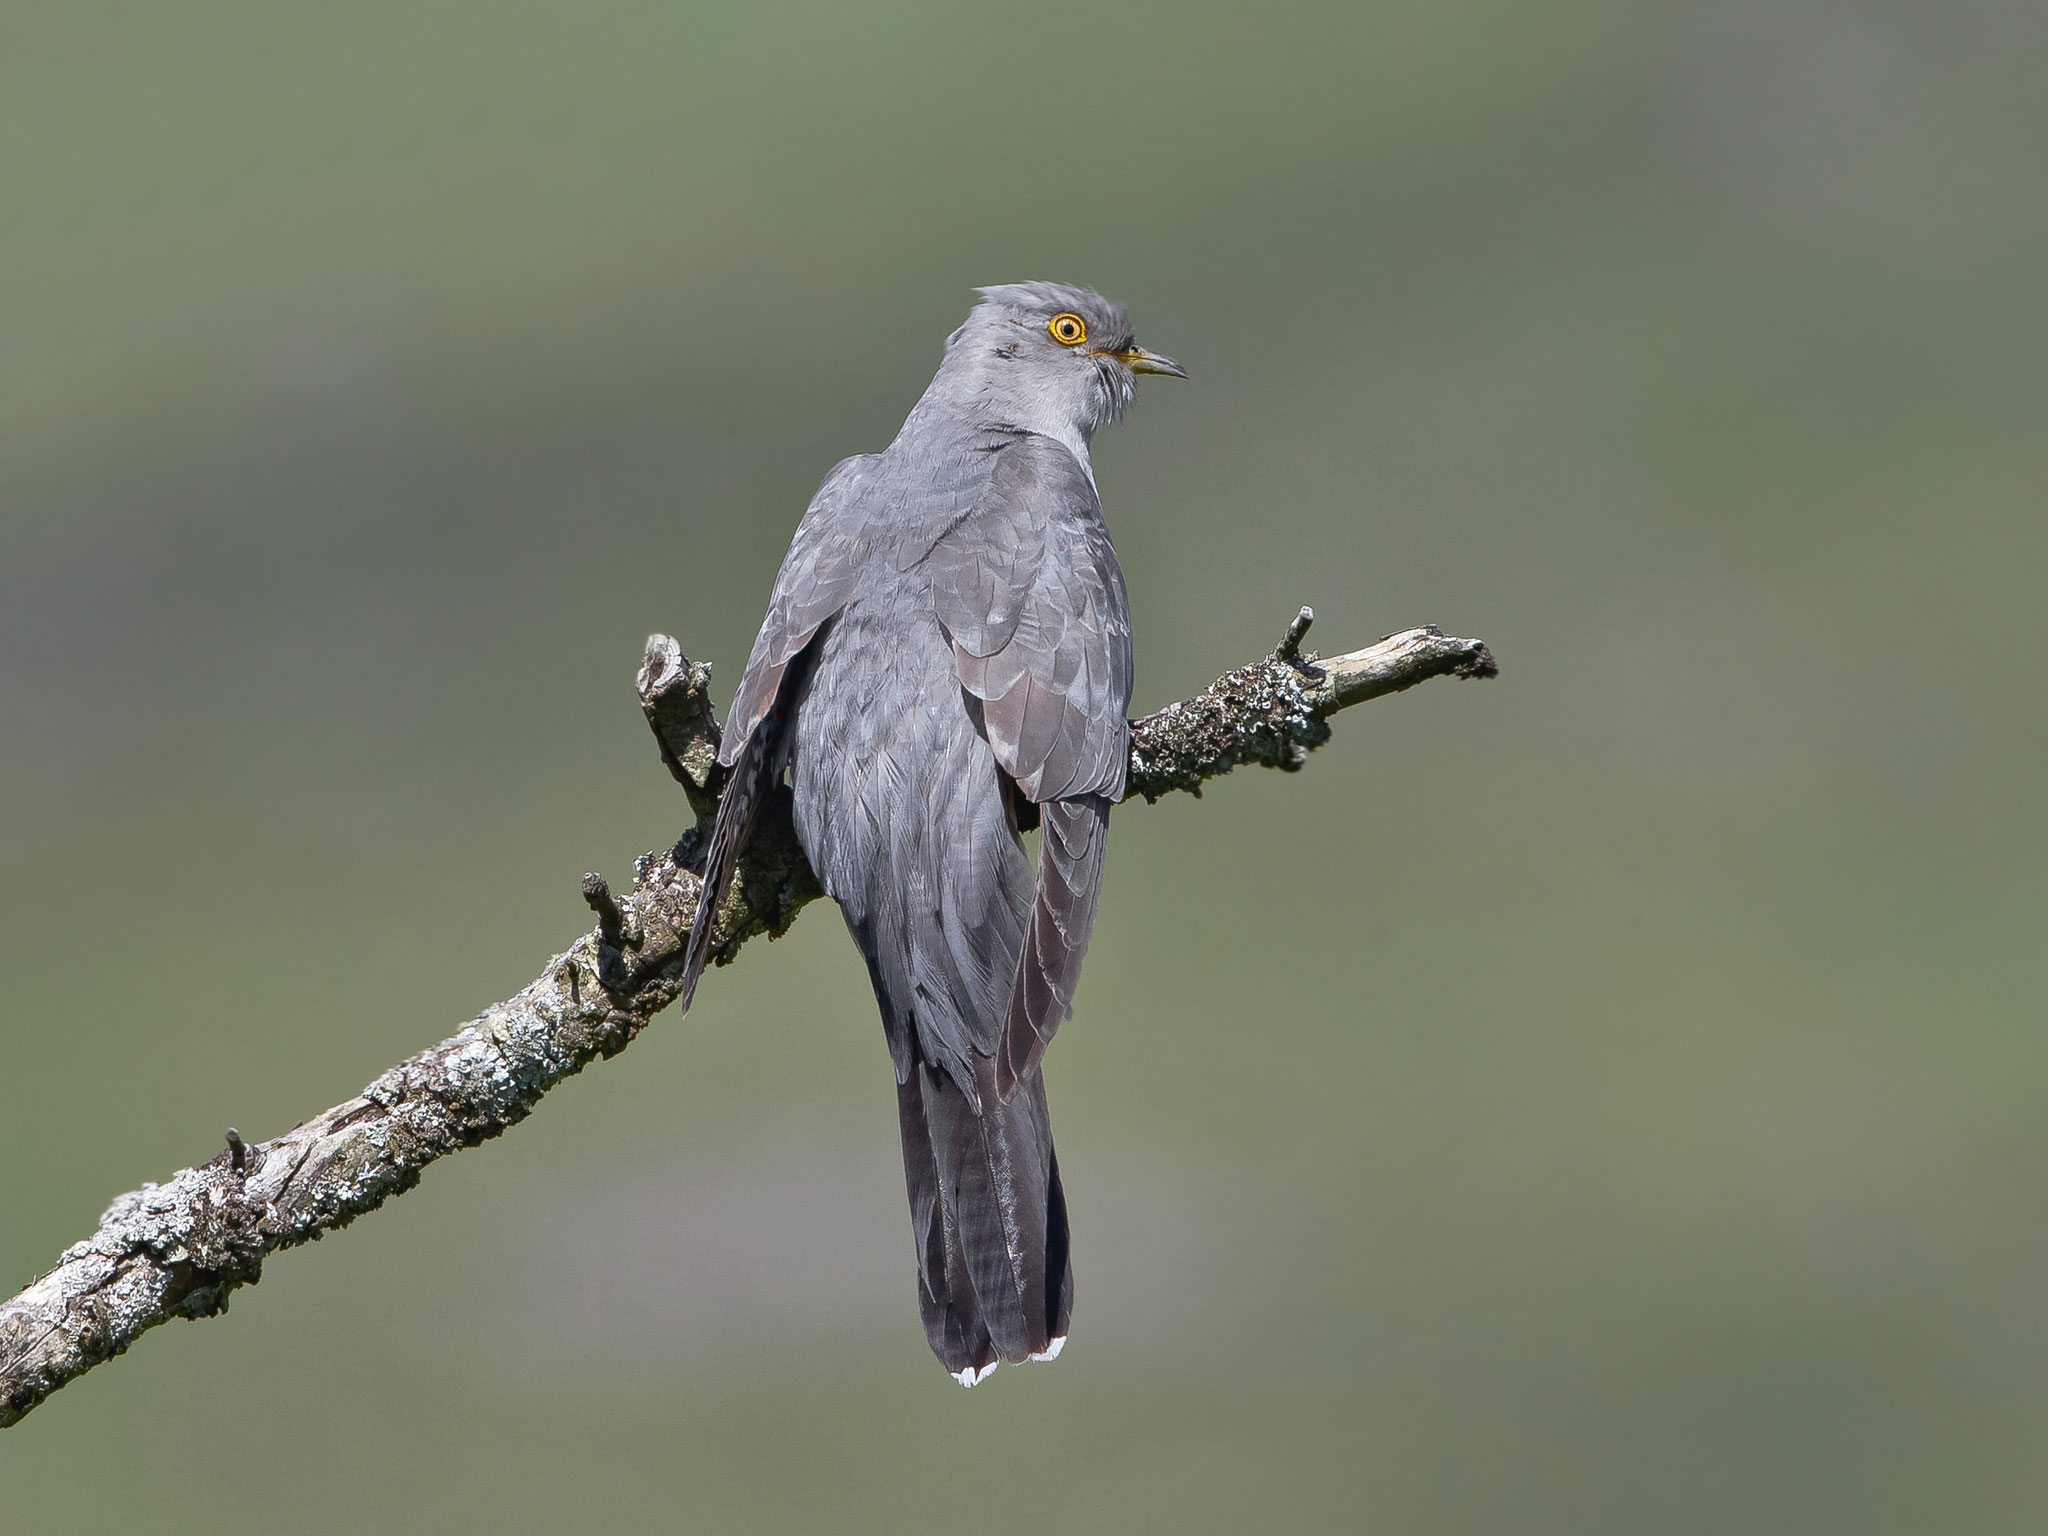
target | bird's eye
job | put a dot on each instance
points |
(1069, 330)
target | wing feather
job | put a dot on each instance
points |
(815, 582)
(816, 579)
(1026, 585)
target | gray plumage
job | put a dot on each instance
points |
(945, 663)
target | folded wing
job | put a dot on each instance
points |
(1027, 587)
(815, 582)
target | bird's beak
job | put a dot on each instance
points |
(1138, 360)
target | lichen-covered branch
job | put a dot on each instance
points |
(178, 1249)
(1275, 711)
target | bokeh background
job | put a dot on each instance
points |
(1614, 1098)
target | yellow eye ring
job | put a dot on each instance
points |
(1069, 329)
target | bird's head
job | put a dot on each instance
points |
(1053, 356)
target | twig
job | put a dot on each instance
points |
(1274, 712)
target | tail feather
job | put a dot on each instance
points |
(995, 1272)
(1059, 1257)
(945, 1297)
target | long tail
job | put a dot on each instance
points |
(995, 1274)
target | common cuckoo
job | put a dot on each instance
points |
(945, 665)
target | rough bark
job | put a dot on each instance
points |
(180, 1248)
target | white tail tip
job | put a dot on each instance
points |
(1052, 1350)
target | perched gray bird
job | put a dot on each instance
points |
(946, 662)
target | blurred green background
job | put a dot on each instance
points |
(1610, 1099)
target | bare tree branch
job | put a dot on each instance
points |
(178, 1249)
